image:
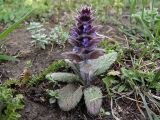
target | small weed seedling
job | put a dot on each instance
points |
(39, 38)
(9, 104)
(87, 61)
(58, 36)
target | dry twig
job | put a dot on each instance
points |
(113, 113)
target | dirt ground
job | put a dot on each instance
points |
(20, 45)
(37, 107)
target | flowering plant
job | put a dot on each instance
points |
(87, 61)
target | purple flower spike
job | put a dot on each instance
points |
(83, 37)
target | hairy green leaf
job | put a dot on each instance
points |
(103, 63)
(93, 99)
(62, 77)
(69, 96)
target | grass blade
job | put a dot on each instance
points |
(14, 26)
(6, 57)
(8, 31)
(146, 106)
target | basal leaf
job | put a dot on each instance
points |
(62, 77)
(69, 96)
(93, 99)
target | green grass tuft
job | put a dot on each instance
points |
(56, 65)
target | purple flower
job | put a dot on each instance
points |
(86, 28)
(85, 42)
(83, 37)
(74, 33)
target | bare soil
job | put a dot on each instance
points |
(20, 45)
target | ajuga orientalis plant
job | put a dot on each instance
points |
(87, 61)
